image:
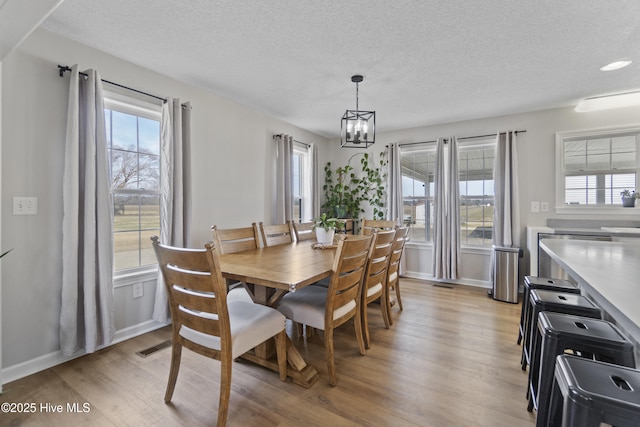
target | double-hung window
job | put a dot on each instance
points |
(594, 167)
(133, 141)
(417, 162)
(301, 182)
(475, 177)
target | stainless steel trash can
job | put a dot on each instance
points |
(505, 274)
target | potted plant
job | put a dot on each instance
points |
(325, 228)
(629, 198)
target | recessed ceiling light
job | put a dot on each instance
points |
(615, 65)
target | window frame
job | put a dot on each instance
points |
(427, 148)
(304, 173)
(603, 209)
(477, 144)
(129, 105)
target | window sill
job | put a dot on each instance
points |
(129, 277)
(465, 248)
(595, 210)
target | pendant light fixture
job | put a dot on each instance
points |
(358, 128)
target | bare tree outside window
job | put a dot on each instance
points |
(134, 149)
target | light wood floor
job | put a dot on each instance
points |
(450, 359)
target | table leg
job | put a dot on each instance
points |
(297, 368)
(300, 372)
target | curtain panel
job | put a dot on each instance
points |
(446, 229)
(86, 314)
(283, 208)
(506, 218)
(175, 188)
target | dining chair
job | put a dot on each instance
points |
(276, 234)
(304, 231)
(232, 240)
(204, 321)
(393, 272)
(328, 308)
(377, 223)
(374, 284)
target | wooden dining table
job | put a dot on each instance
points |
(268, 273)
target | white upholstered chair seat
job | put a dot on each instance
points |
(393, 276)
(307, 306)
(239, 293)
(374, 289)
(251, 324)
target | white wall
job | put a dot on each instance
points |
(536, 178)
(231, 170)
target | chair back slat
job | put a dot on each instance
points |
(380, 224)
(276, 234)
(234, 240)
(304, 231)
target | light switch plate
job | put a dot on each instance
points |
(535, 207)
(25, 205)
(544, 206)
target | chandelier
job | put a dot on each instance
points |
(358, 128)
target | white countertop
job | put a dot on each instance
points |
(609, 272)
(626, 230)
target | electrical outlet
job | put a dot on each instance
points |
(25, 205)
(535, 207)
(138, 290)
(544, 206)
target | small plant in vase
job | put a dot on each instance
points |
(629, 198)
(325, 228)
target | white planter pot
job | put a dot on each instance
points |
(325, 237)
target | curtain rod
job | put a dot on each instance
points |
(465, 137)
(299, 142)
(63, 68)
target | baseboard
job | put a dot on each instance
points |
(467, 282)
(55, 358)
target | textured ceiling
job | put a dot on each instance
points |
(424, 62)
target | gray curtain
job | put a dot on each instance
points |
(394, 183)
(283, 181)
(175, 187)
(446, 229)
(506, 218)
(394, 193)
(86, 313)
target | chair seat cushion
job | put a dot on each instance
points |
(393, 276)
(251, 324)
(239, 293)
(375, 289)
(307, 306)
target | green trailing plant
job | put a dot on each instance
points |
(345, 191)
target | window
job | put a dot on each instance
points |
(301, 182)
(593, 167)
(133, 141)
(418, 170)
(475, 176)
